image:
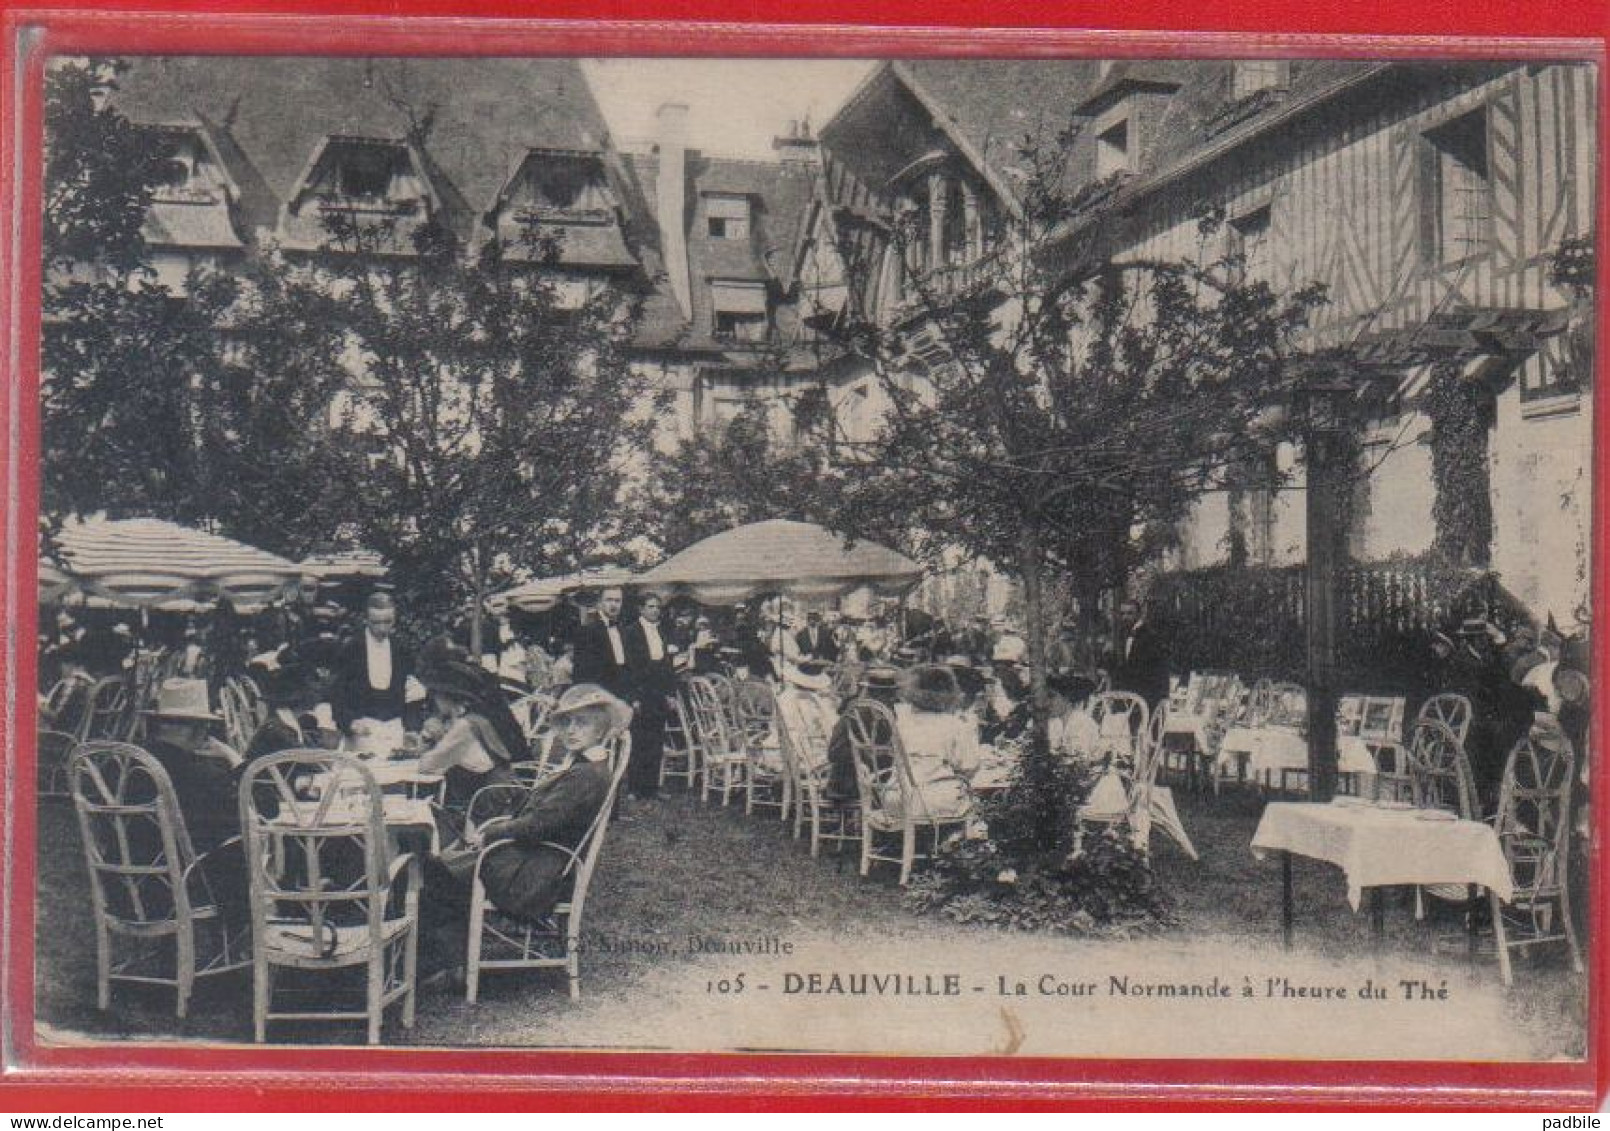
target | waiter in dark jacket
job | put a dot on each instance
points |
(1140, 664)
(371, 673)
(816, 642)
(601, 656)
(650, 658)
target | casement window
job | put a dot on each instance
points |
(1455, 189)
(727, 217)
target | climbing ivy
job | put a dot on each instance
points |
(1461, 414)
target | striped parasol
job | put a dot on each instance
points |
(546, 592)
(147, 562)
(343, 563)
(780, 556)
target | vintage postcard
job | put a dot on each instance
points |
(1079, 558)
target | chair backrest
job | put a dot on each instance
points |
(755, 704)
(240, 721)
(1349, 715)
(252, 696)
(881, 771)
(1381, 718)
(710, 717)
(1439, 772)
(592, 842)
(1287, 706)
(67, 702)
(531, 712)
(1534, 810)
(316, 847)
(1453, 711)
(135, 842)
(1123, 721)
(108, 709)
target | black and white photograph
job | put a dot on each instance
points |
(1058, 557)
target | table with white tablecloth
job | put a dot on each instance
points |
(1382, 844)
(1265, 753)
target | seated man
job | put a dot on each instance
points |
(526, 876)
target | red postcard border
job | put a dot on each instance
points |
(249, 1078)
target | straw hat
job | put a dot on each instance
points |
(931, 687)
(586, 696)
(181, 698)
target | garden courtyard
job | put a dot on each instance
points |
(689, 899)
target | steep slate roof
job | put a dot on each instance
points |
(779, 196)
(270, 114)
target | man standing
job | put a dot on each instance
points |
(653, 683)
(1140, 663)
(369, 690)
(815, 642)
(601, 649)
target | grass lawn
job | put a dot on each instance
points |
(680, 872)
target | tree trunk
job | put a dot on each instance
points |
(1029, 563)
(1323, 577)
(478, 565)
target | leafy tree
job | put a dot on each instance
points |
(726, 477)
(489, 425)
(1062, 408)
(119, 350)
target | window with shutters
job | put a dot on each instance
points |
(1456, 190)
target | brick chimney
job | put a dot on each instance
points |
(671, 207)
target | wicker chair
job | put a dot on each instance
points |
(327, 893)
(723, 762)
(891, 803)
(54, 749)
(1452, 711)
(498, 941)
(769, 780)
(1534, 828)
(680, 760)
(148, 887)
(805, 752)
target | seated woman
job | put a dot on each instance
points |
(470, 751)
(941, 744)
(527, 874)
(1074, 734)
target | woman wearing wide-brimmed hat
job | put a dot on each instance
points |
(941, 744)
(470, 751)
(525, 864)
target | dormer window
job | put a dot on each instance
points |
(367, 173)
(739, 310)
(1113, 151)
(1254, 75)
(567, 188)
(192, 174)
(727, 217)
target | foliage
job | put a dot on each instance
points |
(1573, 265)
(489, 424)
(1021, 871)
(1045, 416)
(729, 476)
(109, 442)
(1461, 414)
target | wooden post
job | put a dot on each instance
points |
(1323, 581)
